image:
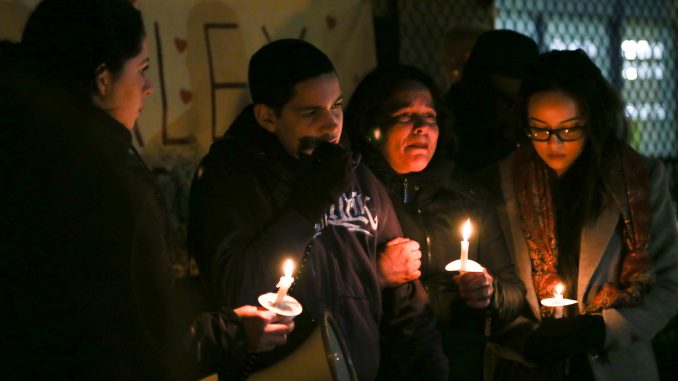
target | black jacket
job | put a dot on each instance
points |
(85, 272)
(241, 228)
(432, 206)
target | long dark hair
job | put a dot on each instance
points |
(67, 40)
(573, 72)
(367, 102)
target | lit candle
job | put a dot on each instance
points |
(558, 296)
(285, 282)
(466, 232)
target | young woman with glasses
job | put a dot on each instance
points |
(583, 210)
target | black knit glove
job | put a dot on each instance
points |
(556, 339)
(327, 176)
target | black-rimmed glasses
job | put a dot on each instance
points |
(566, 134)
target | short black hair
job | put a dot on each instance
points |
(278, 66)
(70, 39)
(503, 52)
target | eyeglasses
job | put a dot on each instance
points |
(566, 134)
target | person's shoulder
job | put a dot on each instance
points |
(221, 169)
(365, 178)
(489, 177)
(658, 177)
(230, 152)
(655, 167)
(652, 164)
(238, 144)
(455, 179)
(369, 184)
(221, 153)
(496, 177)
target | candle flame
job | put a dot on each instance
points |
(560, 288)
(466, 229)
(288, 267)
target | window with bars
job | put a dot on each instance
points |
(631, 41)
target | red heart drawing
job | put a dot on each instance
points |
(185, 95)
(331, 21)
(180, 44)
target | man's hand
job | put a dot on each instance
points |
(476, 288)
(264, 329)
(399, 262)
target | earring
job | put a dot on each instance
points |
(375, 134)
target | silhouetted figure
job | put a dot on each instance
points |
(456, 50)
(482, 100)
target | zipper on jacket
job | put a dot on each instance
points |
(406, 192)
(429, 249)
(488, 322)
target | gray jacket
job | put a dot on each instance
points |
(629, 330)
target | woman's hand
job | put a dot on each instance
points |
(476, 288)
(556, 339)
(399, 262)
(264, 329)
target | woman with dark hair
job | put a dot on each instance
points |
(86, 279)
(591, 216)
(395, 119)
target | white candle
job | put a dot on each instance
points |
(285, 282)
(466, 232)
(558, 296)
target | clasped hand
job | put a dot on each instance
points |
(399, 262)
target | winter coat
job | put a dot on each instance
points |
(86, 277)
(432, 206)
(627, 352)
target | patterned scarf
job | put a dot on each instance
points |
(630, 191)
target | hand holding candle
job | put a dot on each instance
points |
(558, 301)
(281, 303)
